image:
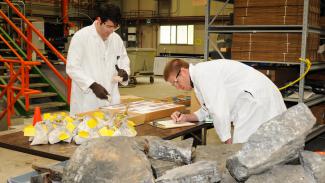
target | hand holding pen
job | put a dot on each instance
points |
(178, 117)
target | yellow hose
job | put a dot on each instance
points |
(308, 63)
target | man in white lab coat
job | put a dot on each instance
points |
(228, 91)
(97, 61)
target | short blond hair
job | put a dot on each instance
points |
(174, 66)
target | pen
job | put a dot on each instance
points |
(179, 115)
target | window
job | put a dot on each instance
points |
(177, 34)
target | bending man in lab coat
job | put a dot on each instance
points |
(96, 57)
(228, 91)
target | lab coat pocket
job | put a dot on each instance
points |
(243, 106)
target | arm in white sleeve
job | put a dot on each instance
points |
(215, 99)
(74, 65)
(201, 114)
(123, 62)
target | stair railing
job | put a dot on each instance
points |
(22, 75)
(30, 27)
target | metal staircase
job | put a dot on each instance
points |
(50, 97)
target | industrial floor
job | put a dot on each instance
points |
(15, 163)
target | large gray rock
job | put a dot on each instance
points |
(179, 152)
(199, 172)
(314, 165)
(275, 142)
(161, 166)
(108, 159)
(282, 174)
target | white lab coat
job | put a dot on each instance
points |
(230, 91)
(90, 59)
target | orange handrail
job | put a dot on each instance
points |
(25, 66)
(15, 52)
(17, 61)
(9, 88)
(58, 54)
(34, 48)
(47, 43)
(13, 75)
(11, 48)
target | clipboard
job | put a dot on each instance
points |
(166, 124)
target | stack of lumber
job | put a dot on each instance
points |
(277, 47)
(277, 12)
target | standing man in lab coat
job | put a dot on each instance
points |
(228, 91)
(97, 61)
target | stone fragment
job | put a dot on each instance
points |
(314, 165)
(282, 174)
(108, 159)
(179, 152)
(159, 167)
(199, 172)
(275, 142)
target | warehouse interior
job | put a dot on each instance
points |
(282, 39)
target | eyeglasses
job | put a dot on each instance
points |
(115, 27)
(176, 78)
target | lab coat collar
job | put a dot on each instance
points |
(95, 34)
(93, 30)
(191, 72)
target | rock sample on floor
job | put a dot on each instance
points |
(314, 165)
(159, 167)
(275, 142)
(179, 152)
(282, 174)
(199, 172)
(108, 159)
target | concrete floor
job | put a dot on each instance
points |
(15, 163)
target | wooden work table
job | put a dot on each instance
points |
(15, 140)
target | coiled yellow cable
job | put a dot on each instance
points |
(308, 64)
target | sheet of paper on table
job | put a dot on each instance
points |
(170, 124)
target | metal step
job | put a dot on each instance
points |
(5, 50)
(41, 95)
(4, 67)
(38, 85)
(47, 105)
(30, 76)
(11, 57)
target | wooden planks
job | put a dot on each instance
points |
(279, 12)
(277, 47)
(281, 47)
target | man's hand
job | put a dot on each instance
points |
(99, 90)
(178, 117)
(229, 141)
(122, 73)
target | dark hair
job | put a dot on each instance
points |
(174, 66)
(107, 11)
